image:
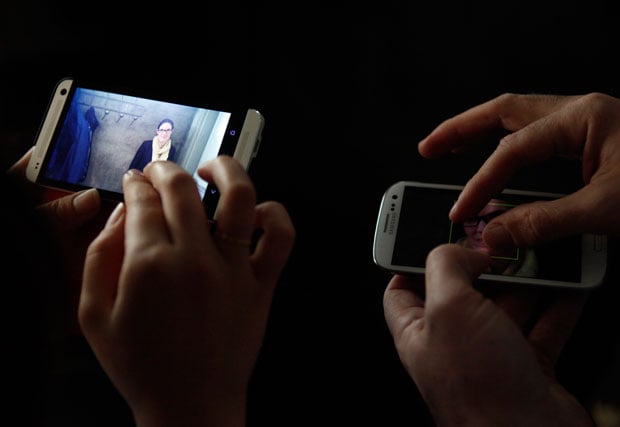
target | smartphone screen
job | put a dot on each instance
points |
(90, 137)
(414, 219)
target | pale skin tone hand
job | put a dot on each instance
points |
(541, 126)
(72, 220)
(65, 211)
(475, 360)
(175, 314)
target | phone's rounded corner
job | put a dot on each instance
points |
(250, 139)
(376, 259)
(256, 112)
(598, 281)
(32, 174)
(64, 85)
(394, 186)
(66, 79)
(255, 119)
(595, 261)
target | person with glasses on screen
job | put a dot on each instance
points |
(159, 148)
(513, 262)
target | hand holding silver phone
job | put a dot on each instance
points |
(90, 136)
(413, 219)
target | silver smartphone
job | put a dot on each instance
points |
(413, 219)
(90, 136)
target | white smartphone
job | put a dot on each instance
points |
(90, 136)
(413, 219)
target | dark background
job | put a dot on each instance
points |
(347, 91)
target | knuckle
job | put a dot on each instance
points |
(90, 316)
(534, 225)
(242, 191)
(506, 99)
(178, 178)
(594, 105)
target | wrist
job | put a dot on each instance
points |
(216, 412)
(550, 412)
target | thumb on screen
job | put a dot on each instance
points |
(534, 223)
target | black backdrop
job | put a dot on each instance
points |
(347, 91)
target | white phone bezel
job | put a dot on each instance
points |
(48, 128)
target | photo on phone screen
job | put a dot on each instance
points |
(413, 219)
(91, 137)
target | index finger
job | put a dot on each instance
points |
(556, 134)
(509, 112)
(144, 217)
(182, 208)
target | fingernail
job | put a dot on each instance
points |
(496, 236)
(453, 208)
(86, 202)
(117, 215)
(133, 172)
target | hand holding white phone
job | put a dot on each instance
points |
(413, 219)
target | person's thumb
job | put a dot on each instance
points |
(71, 211)
(534, 223)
